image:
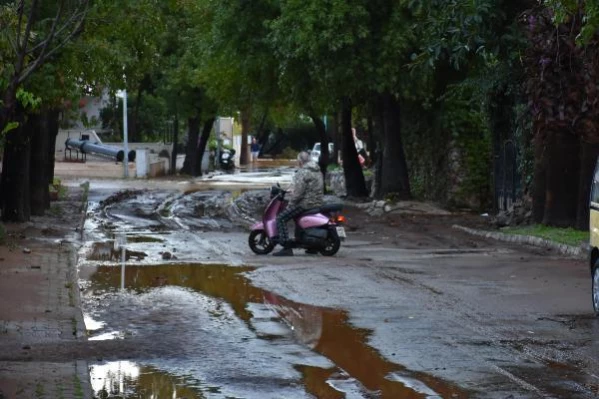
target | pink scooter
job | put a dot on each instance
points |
(316, 229)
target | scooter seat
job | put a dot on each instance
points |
(328, 208)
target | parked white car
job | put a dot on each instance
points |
(315, 153)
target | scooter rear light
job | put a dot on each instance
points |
(340, 219)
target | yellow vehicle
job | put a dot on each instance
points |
(594, 237)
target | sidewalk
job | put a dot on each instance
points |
(39, 306)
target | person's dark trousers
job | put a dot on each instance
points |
(282, 219)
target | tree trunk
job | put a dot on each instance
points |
(9, 102)
(355, 186)
(539, 181)
(335, 124)
(394, 167)
(175, 142)
(561, 192)
(378, 125)
(191, 151)
(133, 128)
(588, 160)
(37, 127)
(245, 129)
(15, 175)
(203, 144)
(323, 162)
(371, 139)
(53, 126)
(260, 130)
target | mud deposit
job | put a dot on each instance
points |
(200, 330)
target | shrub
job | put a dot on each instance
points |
(288, 153)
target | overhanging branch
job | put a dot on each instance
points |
(74, 23)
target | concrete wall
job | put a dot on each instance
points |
(154, 164)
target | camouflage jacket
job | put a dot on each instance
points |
(307, 187)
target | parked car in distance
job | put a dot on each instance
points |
(315, 153)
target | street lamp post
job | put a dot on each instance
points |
(123, 95)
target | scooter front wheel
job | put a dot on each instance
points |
(260, 243)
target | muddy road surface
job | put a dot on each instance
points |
(409, 308)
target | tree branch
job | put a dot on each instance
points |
(20, 11)
(80, 16)
(77, 18)
(52, 31)
(13, 44)
(23, 48)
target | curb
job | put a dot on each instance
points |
(564, 249)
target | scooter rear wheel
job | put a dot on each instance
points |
(332, 245)
(260, 243)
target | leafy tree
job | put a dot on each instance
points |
(34, 33)
(317, 45)
(561, 82)
(235, 65)
(124, 40)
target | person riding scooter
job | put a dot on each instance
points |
(307, 193)
(227, 159)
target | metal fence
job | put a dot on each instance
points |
(506, 176)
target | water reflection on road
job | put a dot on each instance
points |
(130, 380)
(191, 310)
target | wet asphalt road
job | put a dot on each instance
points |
(396, 314)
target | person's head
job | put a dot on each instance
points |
(303, 158)
(253, 140)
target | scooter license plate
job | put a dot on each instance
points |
(341, 232)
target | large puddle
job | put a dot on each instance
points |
(211, 334)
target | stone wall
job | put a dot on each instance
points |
(335, 182)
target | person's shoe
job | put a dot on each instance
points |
(311, 252)
(284, 252)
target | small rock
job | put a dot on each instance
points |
(167, 255)
(26, 251)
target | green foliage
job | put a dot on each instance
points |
(88, 122)
(449, 146)
(567, 236)
(561, 77)
(9, 126)
(228, 55)
(522, 125)
(466, 119)
(28, 100)
(453, 30)
(564, 10)
(58, 189)
(38, 66)
(288, 153)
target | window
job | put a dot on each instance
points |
(595, 187)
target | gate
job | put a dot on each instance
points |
(506, 176)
